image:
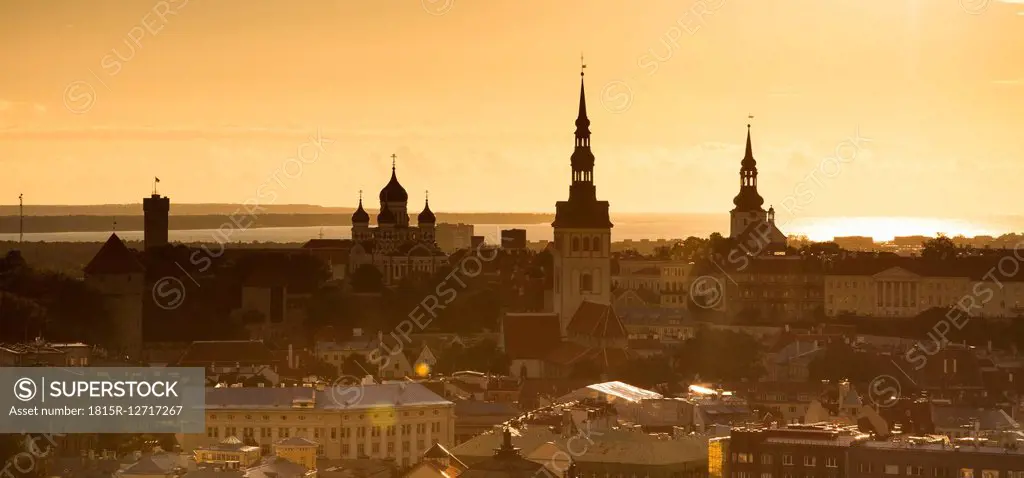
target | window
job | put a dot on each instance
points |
(915, 470)
(966, 472)
(865, 468)
(766, 459)
(787, 459)
(345, 449)
(376, 448)
(989, 473)
(766, 475)
(334, 433)
(586, 283)
(575, 244)
(831, 462)
(809, 461)
(360, 450)
(282, 432)
(892, 469)
(211, 432)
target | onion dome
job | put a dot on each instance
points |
(393, 191)
(427, 216)
(360, 216)
(385, 216)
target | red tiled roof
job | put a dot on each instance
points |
(530, 336)
(242, 352)
(596, 320)
(114, 258)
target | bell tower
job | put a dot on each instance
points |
(582, 231)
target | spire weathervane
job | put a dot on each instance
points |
(749, 117)
(583, 65)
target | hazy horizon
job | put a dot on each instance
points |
(478, 99)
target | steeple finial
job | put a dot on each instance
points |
(426, 195)
(583, 64)
(394, 157)
(750, 150)
(582, 122)
(360, 196)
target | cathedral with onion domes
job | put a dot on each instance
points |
(395, 247)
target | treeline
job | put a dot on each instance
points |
(94, 223)
(69, 258)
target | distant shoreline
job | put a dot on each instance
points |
(98, 223)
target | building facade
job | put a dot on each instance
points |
(398, 421)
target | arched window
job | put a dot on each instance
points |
(575, 244)
(597, 244)
(586, 243)
(586, 283)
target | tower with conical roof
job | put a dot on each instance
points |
(116, 273)
(748, 203)
(582, 231)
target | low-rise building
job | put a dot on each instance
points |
(398, 421)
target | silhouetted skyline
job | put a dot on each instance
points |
(473, 98)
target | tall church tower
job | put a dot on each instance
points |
(748, 202)
(582, 231)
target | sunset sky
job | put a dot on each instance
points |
(477, 98)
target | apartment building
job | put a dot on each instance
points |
(398, 421)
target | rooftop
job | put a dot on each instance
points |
(406, 394)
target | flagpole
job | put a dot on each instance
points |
(21, 218)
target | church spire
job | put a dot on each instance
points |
(582, 186)
(582, 122)
(748, 199)
(750, 151)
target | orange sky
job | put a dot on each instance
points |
(478, 99)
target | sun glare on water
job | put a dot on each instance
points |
(882, 228)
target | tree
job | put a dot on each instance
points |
(327, 307)
(720, 355)
(367, 279)
(647, 372)
(482, 357)
(940, 248)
